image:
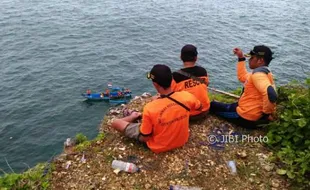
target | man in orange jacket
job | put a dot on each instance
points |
(259, 96)
(193, 79)
(165, 121)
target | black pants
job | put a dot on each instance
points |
(229, 112)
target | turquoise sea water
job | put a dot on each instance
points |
(52, 51)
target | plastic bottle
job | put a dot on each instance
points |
(124, 166)
(179, 187)
(232, 166)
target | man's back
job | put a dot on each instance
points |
(167, 121)
(181, 82)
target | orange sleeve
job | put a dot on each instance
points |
(146, 127)
(262, 82)
(242, 73)
(194, 103)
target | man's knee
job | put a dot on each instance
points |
(114, 123)
(119, 125)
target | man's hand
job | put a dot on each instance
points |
(238, 52)
(135, 115)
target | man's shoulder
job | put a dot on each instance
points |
(153, 104)
(263, 69)
(196, 71)
(184, 95)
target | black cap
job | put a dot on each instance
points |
(261, 51)
(161, 74)
(189, 52)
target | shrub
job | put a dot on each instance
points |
(80, 138)
(289, 134)
(35, 178)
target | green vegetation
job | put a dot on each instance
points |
(82, 143)
(35, 178)
(80, 138)
(289, 134)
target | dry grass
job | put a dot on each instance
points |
(196, 164)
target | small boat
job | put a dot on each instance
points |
(115, 95)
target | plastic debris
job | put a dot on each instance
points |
(232, 166)
(124, 166)
(179, 187)
(69, 142)
(68, 164)
(83, 160)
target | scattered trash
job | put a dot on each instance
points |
(146, 95)
(83, 160)
(68, 164)
(232, 166)
(69, 142)
(124, 166)
(178, 187)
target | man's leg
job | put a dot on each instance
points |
(224, 110)
(121, 124)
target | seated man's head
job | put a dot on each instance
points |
(259, 56)
(161, 76)
(189, 53)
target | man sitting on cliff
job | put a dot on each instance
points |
(193, 79)
(258, 99)
(165, 121)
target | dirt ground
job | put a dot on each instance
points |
(200, 163)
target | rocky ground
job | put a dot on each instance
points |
(198, 164)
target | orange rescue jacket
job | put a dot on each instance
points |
(199, 90)
(259, 95)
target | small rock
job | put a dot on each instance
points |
(137, 97)
(116, 171)
(68, 163)
(242, 154)
(275, 183)
(114, 112)
(268, 167)
(146, 95)
(122, 149)
(147, 186)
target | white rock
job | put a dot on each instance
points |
(146, 95)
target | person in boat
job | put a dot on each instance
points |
(107, 92)
(127, 91)
(259, 96)
(88, 92)
(119, 94)
(185, 79)
(165, 121)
